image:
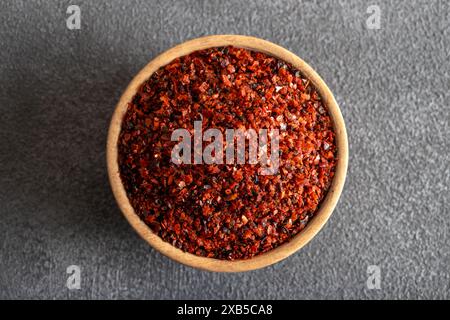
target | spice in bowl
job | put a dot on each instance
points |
(212, 198)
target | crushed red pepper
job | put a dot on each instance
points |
(226, 211)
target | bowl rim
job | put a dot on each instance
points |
(286, 249)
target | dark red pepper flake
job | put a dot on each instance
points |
(226, 211)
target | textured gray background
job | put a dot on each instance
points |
(58, 89)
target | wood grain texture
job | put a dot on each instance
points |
(278, 253)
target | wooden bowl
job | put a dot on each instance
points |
(265, 259)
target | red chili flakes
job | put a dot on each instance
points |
(226, 211)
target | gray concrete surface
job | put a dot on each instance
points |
(58, 88)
